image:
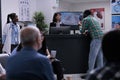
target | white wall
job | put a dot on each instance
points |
(10, 6)
(48, 7)
(89, 5)
(64, 6)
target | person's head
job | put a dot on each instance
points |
(99, 14)
(57, 17)
(13, 17)
(31, 36)
(87, 13)
(110, 46)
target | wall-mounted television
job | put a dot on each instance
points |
(71, 18)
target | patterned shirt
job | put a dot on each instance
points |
(108, 72)
(91, 25)
(15, 33)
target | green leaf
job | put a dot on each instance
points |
(39, 20)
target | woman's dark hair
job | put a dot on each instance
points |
(11, 16)
(86, 13)
(44, 45)
(54, 17)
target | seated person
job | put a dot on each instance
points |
(110, 47)
(27, 64)
(56, 64)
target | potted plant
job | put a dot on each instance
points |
(39, 20)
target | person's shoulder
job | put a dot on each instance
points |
(52, 24)
(86, 18)
(12, 56)
(41, 59)
(7, 25)
(41, 56)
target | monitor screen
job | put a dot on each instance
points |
(60, 30)
(71, 18)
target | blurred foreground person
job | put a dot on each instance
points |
(28, 64)
(111, 50)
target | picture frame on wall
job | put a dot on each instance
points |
(99, 14)
(115, 21)
(24, 10)
(115, 6)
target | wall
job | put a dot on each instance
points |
(9, 6)
(86, 5)
(48, 7)
(64, 6)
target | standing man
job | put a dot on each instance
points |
(92, 26)
(28, 64)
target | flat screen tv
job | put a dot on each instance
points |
(71, 18)
(60, 30)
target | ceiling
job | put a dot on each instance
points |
(79, 1)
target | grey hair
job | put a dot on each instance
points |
(29, 35)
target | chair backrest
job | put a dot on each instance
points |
(3, 59)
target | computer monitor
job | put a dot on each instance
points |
(60, 30)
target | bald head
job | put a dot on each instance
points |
(30, 36)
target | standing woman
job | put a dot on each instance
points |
(11, 33)
(56, 20)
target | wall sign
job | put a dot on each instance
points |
(115, 10)
(99, 14)
(24, 10)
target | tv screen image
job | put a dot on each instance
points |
(71, 18)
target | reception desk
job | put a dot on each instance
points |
(72, 50)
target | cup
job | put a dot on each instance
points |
(71, 32)
(53, 53)
(77, 32)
